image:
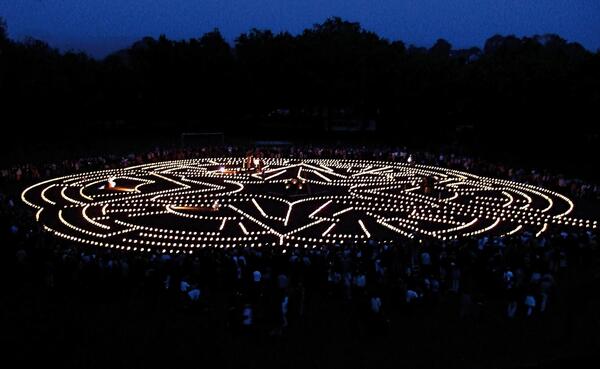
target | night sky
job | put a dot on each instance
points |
(101, 26)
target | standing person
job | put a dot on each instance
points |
(284, 312)
(530, 303)
(377, 317)
(194, 293)
(545, 288)
(247, 319)
(455, 277)
(511, 298)
(360, 282)
(256, 286)
(375, 305)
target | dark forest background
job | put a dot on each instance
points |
(532, 98)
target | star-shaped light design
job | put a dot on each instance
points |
(178, 206)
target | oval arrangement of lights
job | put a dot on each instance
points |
(179, 206)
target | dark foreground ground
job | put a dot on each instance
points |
(119, 326)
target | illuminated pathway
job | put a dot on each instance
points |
(178, 206)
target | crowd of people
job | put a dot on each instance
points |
(269, 289)
(573, 187)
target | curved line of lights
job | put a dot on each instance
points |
(207, 193)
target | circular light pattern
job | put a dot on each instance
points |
(179, 206)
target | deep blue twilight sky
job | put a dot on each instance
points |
(101, 26)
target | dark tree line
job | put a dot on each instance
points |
(335, 73)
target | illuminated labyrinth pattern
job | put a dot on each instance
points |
(179, 206)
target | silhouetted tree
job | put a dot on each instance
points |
(333, 73)
(441, 49)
